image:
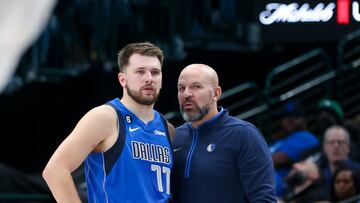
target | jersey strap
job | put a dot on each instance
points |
(165, 123)
(111, 155)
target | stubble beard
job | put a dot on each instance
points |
(142, 99)
(196, 115)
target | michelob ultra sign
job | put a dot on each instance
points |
(328, 19)
(303, 12)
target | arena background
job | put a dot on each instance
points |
(70, 67)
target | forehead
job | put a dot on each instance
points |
(344, 174)
(141, 61)
(193, 76)
(335, 134)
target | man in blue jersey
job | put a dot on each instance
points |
(293, 143)
(217, 157)
(124, 144)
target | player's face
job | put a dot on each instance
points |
(195, 96)
(143, 79)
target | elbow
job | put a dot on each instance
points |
(49, 173)
(46, 174)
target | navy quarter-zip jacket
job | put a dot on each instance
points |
(223, 160)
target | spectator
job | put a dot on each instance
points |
(345, 185)
(336, 147)
(306, 184)
(295, 141)
(329, 113)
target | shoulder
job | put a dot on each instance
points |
(181, 129)
(303, 133)
(230, 125)
(182, 132)
(103, 123)
(240, 126)
(94, 128)
(103, 112)
(242, 133)
(100, 119)
(304, 137)
(184, 126)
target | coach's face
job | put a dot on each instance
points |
(196, 93)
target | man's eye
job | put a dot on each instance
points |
(155, 72)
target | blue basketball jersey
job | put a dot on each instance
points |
(137, 167)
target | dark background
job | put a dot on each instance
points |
(76, 68)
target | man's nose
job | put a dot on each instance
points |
(148, 76)
(341, 184)
(188, 92)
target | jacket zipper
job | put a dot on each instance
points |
(192, 147)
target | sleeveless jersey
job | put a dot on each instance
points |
(137, 167)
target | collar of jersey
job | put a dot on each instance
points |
(133, 116)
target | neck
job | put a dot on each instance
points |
(143, 112)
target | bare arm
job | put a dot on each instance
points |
(92, 133)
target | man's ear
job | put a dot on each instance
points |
(122, 79)
(218, 92)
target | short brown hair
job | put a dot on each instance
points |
(142, 48)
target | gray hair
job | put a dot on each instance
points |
(342, 129)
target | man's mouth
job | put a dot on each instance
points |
(148, 88)
(188, 105)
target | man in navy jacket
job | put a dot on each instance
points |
(217, 157)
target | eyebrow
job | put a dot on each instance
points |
(144, 68)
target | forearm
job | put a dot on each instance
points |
(61, 185)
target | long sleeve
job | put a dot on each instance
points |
(257, 173)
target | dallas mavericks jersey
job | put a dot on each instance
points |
(137, 167)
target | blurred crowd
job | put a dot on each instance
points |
(317, 160)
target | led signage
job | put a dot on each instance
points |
(305, 22)
(304, 13)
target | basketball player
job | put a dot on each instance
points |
(124, 144)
